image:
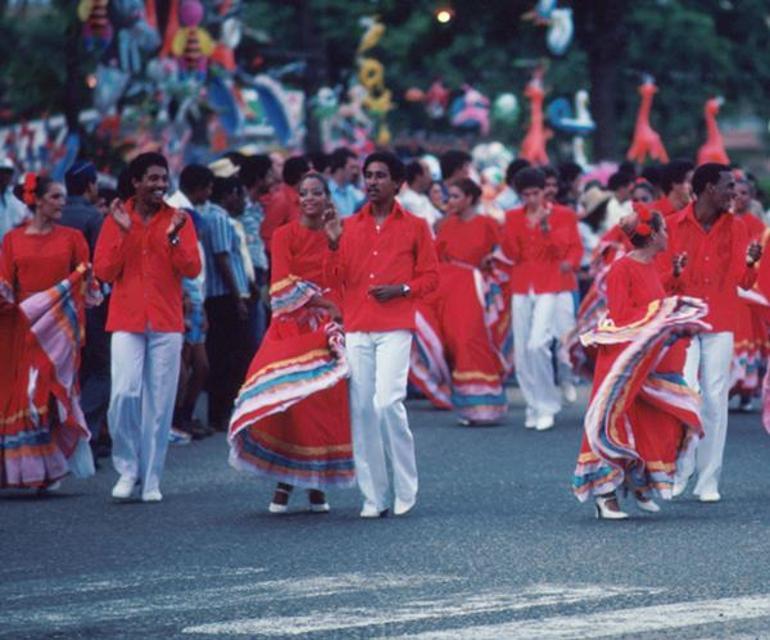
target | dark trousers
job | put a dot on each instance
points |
(95, 370)
(229, 347)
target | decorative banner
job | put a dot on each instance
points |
(533, 145)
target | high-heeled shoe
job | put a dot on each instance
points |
(605, 512)
(318, 503)
(646, 504)
(282, 506)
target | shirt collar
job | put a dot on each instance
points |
(397, 211)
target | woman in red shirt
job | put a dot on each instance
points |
(42, 273)
(291, 421)
(641, 414)
(467, 315)
(750, 344)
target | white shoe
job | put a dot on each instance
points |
(604, 512)
(320, 508)
(153, 495)
(278, 508)
(710, 496)
(647, 504)
(544, 423)
(401, 508)
(370, 511)
(530, 419)
(123, 488)
(680, 486)
(569, 391)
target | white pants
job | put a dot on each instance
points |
(707, 370)
(564, 322)
(145, 375)
(379, 365)
(534, 329)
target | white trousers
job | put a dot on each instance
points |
(707, 370)
(534, 329)
(145, 375)
(379, 365)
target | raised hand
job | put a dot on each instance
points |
(332, 226)
(120, 215)
(679, 262)
(753, 253)
(178, 219)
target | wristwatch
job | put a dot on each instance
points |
(405, 290)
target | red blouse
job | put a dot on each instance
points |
(631, 286)
(301, 252)
(468, 241)
(33, 263)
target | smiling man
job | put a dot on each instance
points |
(718, 258)
(144, 250)
(383, 261)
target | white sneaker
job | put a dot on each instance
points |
(123, 488)
(176, 436)
(530, 418)
(569, 391)
(401, 508)
(680, 485)
(710, 496)
(370, 511)
(649, 505)
(153, 495)
(544, 423)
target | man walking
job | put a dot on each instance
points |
(384, 260)
(144, 250)
(719, 258)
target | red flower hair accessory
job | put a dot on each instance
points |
(28, 194)
(643, 220)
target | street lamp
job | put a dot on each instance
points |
(444, 14)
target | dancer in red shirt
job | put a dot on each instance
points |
(291, 421)
(641, 412)
(282, 204)
(544, 246)
(144, 250)
(463, 325)
(719, 260)
(42, 270)
(383, 261)
(750, 346)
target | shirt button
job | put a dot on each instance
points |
(375, 253)
(371, 276)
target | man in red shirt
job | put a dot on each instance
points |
(543, 243)
(719, 259)
(383, 261)
(676, 183)
(144, 250)
(283, 204)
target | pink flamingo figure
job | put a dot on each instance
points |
(646, 140)
(713, 150)
(533, 145)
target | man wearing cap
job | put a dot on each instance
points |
(80, 213)
(12, 210)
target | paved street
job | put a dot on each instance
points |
(497, 548)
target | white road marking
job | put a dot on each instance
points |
(453, 606)
(607, 624)
(32, 611)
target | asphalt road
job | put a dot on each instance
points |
(496, 548)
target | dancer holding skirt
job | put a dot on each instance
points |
(291, 421)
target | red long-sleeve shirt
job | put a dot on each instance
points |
(716, 263)
(400, 251)
(146, 271)
(281, 207)
(537, 255)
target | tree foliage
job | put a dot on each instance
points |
(694, 48)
